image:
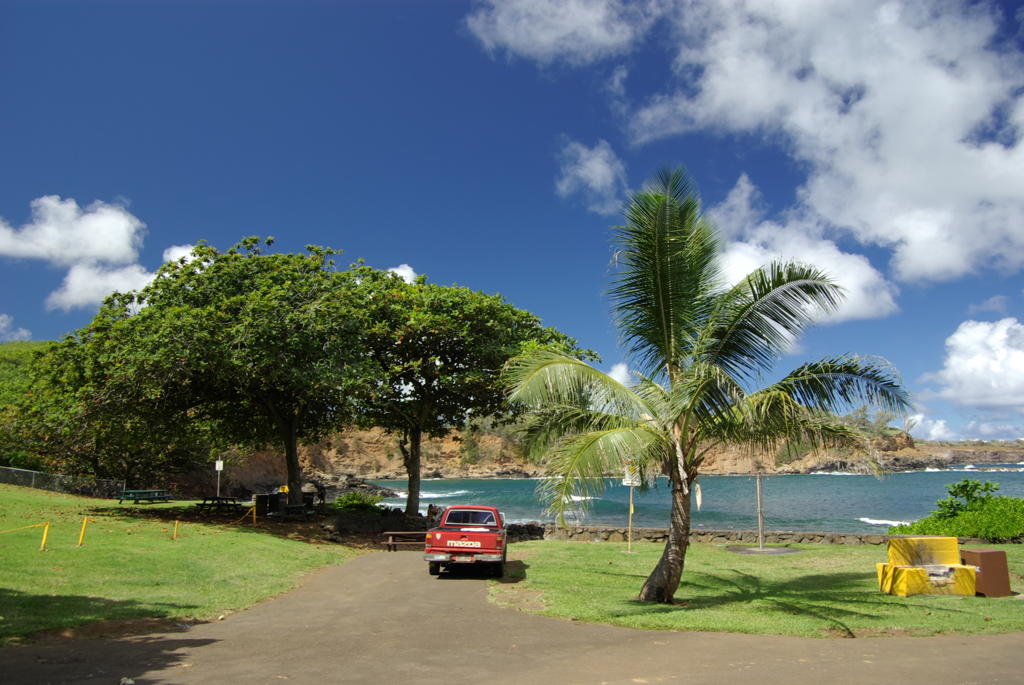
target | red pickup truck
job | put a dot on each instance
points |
(467, 535)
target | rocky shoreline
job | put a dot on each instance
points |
(346, 525)
(346, 461)
(918, 458)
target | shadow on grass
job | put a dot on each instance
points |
(307, 531)
(25, 613)
(515, 572)
(830, 598)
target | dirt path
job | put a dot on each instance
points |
(381, 619)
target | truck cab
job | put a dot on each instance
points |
(467, 534)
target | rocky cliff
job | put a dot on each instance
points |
(900, 452)
(347, 458)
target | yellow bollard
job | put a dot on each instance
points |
(82, 536)
(175, 531)
(46, 534)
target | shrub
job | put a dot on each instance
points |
(967, 495)
(356, 502)
(972, 511)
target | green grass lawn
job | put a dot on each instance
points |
(825, 590)
(130, 567)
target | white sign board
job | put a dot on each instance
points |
(219, 465)
(632, 476)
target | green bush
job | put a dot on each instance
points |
(356, 502)
(967, 495)
(972, 511)
(21, 459)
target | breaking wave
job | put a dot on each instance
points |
(401, 494)
(882, 522)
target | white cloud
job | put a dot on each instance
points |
(755, 243)
(996, 303)
(742, 209)
(620, 372)
(87, 284)
(596, 174)
(99, 243)
(983, 430)
(6, 332)
(405, 271)
(906, 117)
(175, 252)
(576, 31)
(63, 233)
(929, 429)
(984, 365)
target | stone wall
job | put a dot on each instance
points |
(722, 537)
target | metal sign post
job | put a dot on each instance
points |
(760, 515)
(629, 539)
(219, 465)
(760, 549)
(632, 479)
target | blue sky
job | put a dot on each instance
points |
(491, 145)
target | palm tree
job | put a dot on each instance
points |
(700, 345)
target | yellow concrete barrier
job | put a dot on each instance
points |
(925, 566)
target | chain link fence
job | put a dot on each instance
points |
(73, 485)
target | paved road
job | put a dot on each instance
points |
(381, 619)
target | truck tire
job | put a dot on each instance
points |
(434, 568)
(498, 570)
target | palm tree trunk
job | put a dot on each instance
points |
(661, 585)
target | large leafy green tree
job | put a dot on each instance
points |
(64, 425)
(252, 348)
(440, 350)
(701, 347)
(15, 362)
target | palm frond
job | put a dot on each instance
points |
(581, 463)
(546, 377)
(669, 260)
(547, 426)
(769, 419)
(837, 384)
(757, 320)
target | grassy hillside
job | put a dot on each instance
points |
(130, 567)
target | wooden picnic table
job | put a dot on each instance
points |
(148, 495)
(404, 538)
(219, 504)
(295, 511)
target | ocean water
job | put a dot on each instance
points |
(838, 503)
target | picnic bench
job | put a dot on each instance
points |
(295, 511)
(148, 495)
(219, 504)
(404, 538)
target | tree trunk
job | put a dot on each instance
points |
(411, 457)
(291, 458)
(661, 585)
